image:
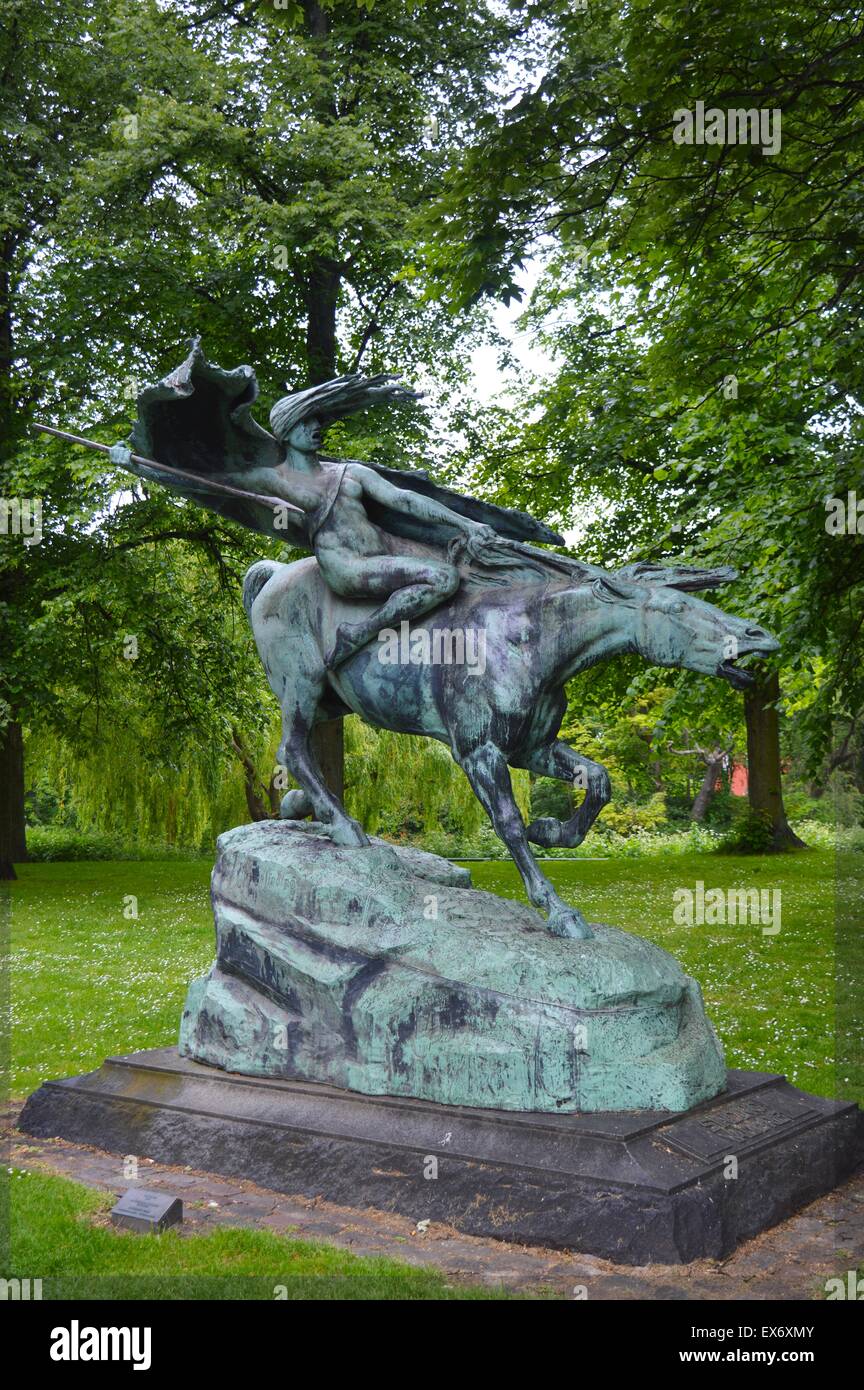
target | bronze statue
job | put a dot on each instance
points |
(393, 547)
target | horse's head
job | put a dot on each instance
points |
(668, 626)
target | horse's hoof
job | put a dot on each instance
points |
(546, 831)
(348, 833)
(295, 805)
(569, 922)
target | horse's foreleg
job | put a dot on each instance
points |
(487, 771)
(296, 753)
(560, 760)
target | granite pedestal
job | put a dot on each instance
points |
(634, 1187)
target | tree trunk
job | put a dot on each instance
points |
(705, 794)
(258, 808)
(322, 301)
(13, 841)
(322, 297)
(764, 781)
(842, 754)
(328, 745)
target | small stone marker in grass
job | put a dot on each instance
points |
(147, 1212)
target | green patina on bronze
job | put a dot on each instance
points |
(382, 970)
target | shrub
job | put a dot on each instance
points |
(841, 804)
(47, 844)
(821, 836)
(484, 844)
(628, 817)
(551, 798)
(754, 835)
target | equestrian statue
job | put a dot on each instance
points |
(393, 549)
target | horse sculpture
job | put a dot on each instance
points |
(395, 546)
(539, 630)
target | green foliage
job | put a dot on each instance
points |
(841, 803)
(134, 728)
(46, 844)
(723, 810)
(625, 818)
(703, 305)
(114, 794)
(252, 177)
(400, 785)
(188, 168)
(450, 844)
(50, 844)
(552, 798)
(816, 834)
(753, 835)
(404, 780)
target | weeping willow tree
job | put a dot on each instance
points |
(117, 789)
(158, 725)
(150, 671)
(399, 783)
(396, 785)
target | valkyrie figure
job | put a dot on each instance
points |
(377, 533)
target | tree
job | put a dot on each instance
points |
(714, 759)
(763, 761)
(317, 132)
(183, 170)
(704, 304)
(54, 109)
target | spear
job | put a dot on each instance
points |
(196, 478)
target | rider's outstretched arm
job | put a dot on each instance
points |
(402, 499)
(268, 481)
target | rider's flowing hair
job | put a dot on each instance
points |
(334, 399)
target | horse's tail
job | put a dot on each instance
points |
(256, 577)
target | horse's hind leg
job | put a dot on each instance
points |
(559, 760)
(297, 755)
(487, 771)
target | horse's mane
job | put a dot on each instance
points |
(518, 563)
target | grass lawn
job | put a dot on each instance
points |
(60, 1232)
(86, 980)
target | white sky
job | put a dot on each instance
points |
(489, 380)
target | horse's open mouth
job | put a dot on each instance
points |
(741, 680)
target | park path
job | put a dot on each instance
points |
(790, 1262)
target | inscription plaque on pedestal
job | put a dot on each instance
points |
(738, 1127)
